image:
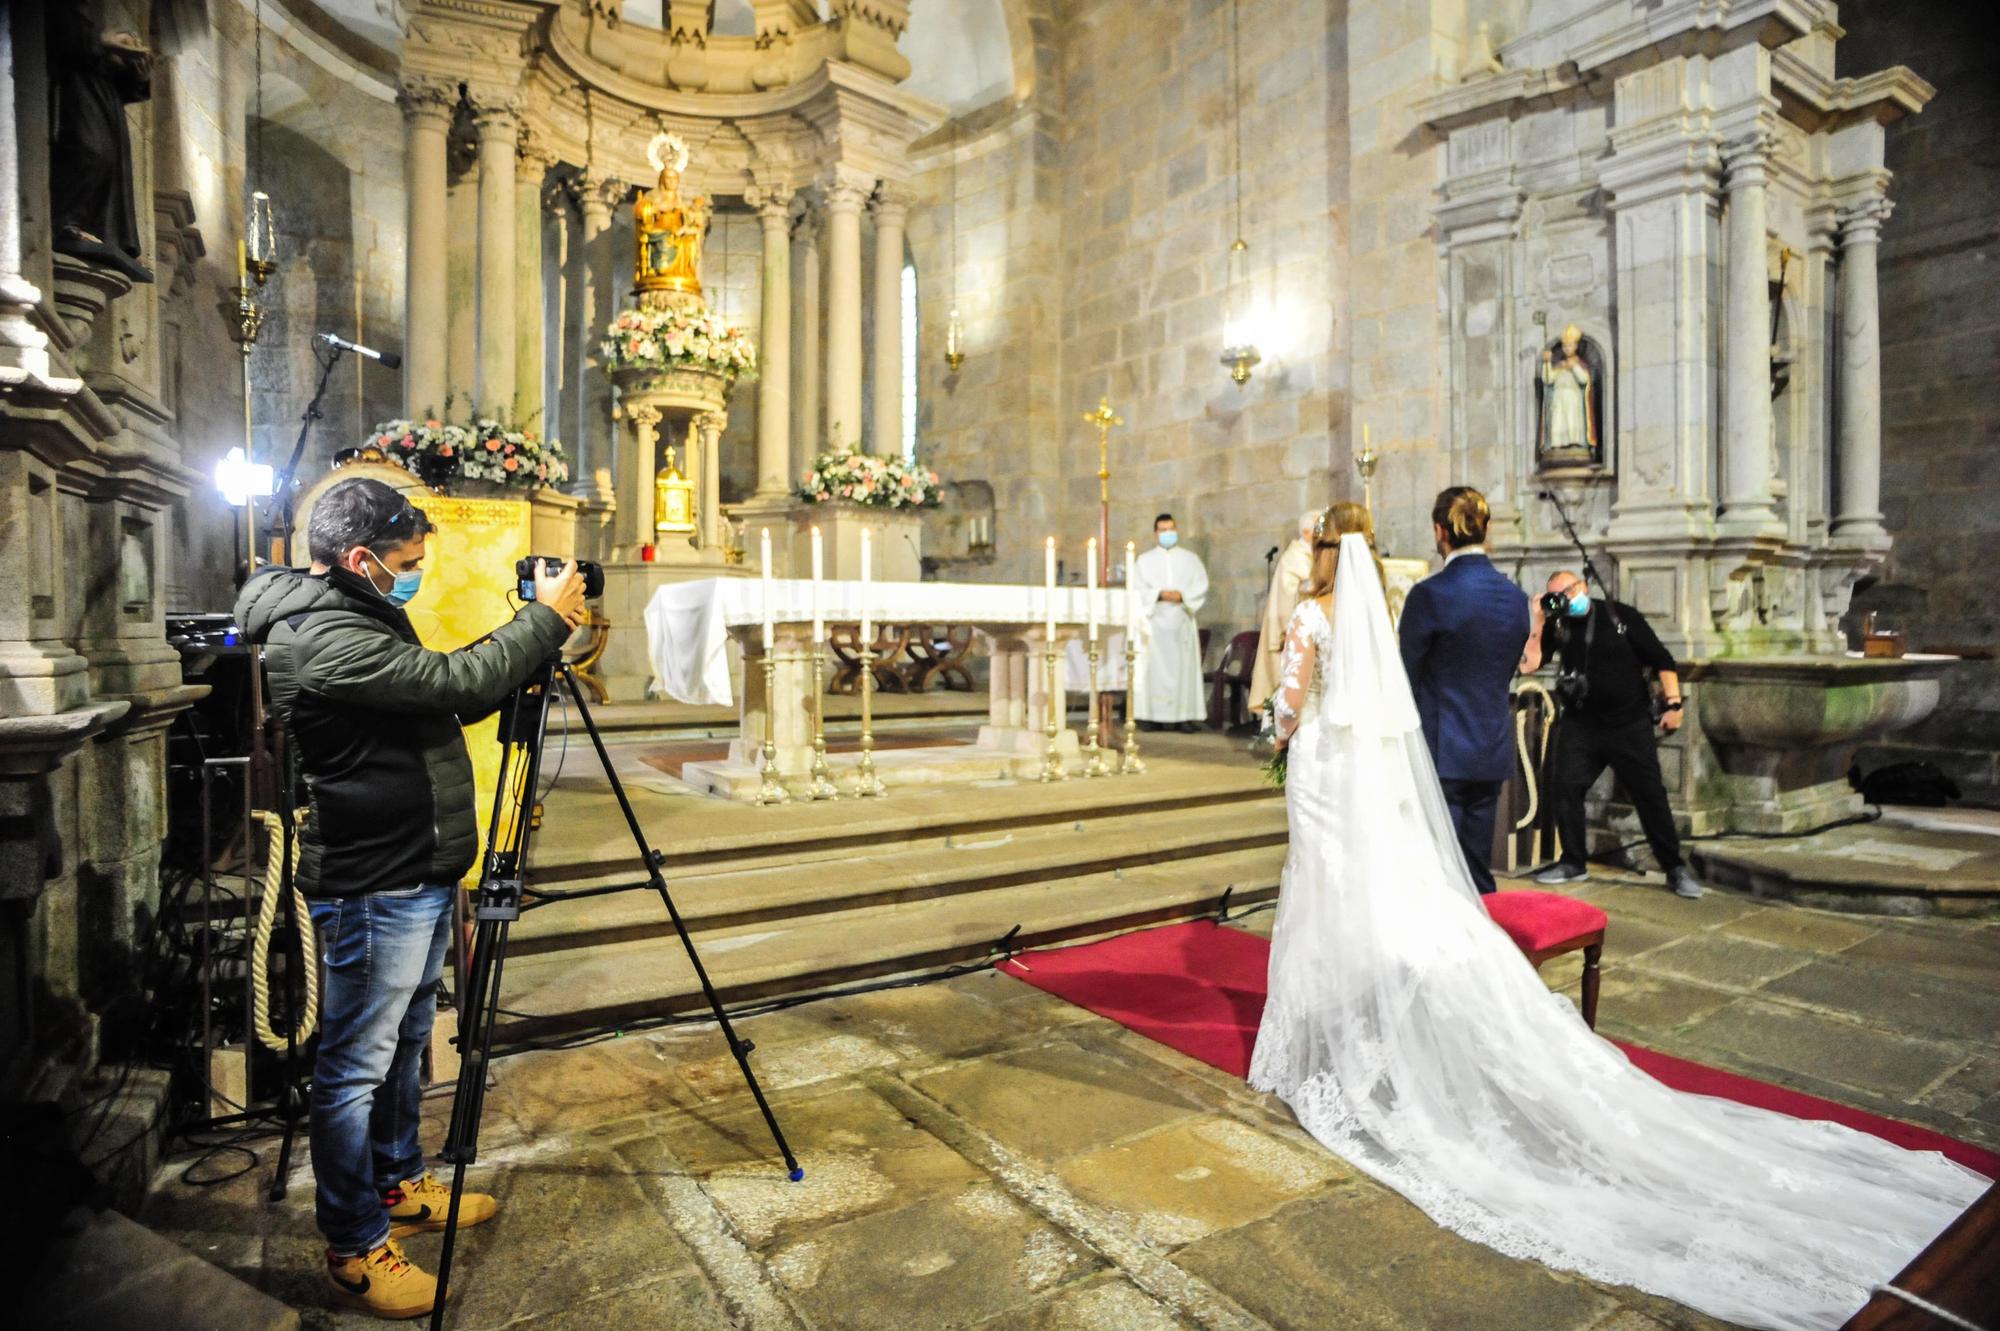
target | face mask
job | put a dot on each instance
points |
(403, 586)
(1169, 539)
(1579, 605)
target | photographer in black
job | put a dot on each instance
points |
(1604, 649)
(375, 719)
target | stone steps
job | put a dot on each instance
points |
(816, 878)
(571, 989)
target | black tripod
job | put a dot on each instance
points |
(497, 904)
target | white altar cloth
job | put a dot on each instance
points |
(688, 623)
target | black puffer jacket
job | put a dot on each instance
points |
(375, 717)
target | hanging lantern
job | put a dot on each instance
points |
(261, 238)
(954, 340)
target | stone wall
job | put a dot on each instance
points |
(1940, 292)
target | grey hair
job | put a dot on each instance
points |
(362, 512)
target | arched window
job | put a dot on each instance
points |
(909, 361)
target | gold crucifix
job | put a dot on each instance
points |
(1103, 418)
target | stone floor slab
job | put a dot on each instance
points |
(1718, 959)
(1895, 998)
(943, 1262)
(1367, 1260)
(1817, 931)
(1012, 1096)
(1762, 1038)
(1969, 956)
(1103, 1303)
(1196, 1177)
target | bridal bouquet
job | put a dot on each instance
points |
(1274, 766)
(671, 339)
(875, 482)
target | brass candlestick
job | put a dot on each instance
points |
(1052, 767)
(1128, 762)
(1364, 462)
(1093, 763)
(868, 784)
(820, 784)
(771, 790)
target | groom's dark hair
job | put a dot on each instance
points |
(1463, 514)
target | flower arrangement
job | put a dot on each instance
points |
(642, 339)
(875, 482)
(485, 450)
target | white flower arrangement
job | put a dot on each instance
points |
(876, 482)
(641, 339)
(486, 450)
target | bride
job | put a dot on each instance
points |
(1412, 1038)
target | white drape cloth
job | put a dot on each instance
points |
(688, 623)
(1411, 1037)
(1169, 684)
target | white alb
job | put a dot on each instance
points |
(1413, 1039)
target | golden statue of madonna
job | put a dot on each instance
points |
(669, 232)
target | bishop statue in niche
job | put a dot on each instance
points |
(1569, 393)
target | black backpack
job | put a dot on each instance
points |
(1919, 785)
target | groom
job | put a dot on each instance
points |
(1462, 632)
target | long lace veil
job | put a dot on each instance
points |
(1410, 1036)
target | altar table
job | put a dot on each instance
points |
(690, 626)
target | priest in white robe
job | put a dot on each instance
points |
(1173, 585)
(1288, 579)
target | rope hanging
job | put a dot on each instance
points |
(260, 940)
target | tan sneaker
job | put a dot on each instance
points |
(420, 1205)
(381, 1281)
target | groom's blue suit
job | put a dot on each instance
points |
(1462, 633)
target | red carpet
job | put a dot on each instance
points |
(1199, 988)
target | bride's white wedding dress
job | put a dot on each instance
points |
(1413, 1039)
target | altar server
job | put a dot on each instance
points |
(1172, 585)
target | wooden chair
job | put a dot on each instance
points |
(583, 650)
(938, 651)
(1229, 683)
(1549, 924)
(844, 640)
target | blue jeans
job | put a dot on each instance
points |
(384, 955)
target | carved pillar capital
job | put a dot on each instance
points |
(807, 224)
(495, 111)
(846, 190)
(424, 98)
(1861, 220)
(1748, 159)
(600, 196)
(891, 203)
(770, 201)
(533, 158)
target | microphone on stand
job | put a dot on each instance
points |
(390, 360)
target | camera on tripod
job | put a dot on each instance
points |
(526, 570)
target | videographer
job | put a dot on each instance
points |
(374, 718)
(1606, 719)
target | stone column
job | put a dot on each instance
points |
(23, 347)
(774, 384)
(846, 192)
(1747, 504)
(806, 306)
(892, 210)
(1857, 518)
(636, 453)
(531, 169)
(598, 196)
(707, 435)
(498, 123)
(427, 110)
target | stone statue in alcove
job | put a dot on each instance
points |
(93, 74)
(1569, 395)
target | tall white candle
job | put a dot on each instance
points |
(769, 633)
(867, 582)
(1049, 587)
(819, 572)
(1090, 565)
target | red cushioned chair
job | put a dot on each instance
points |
(1548, 924)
